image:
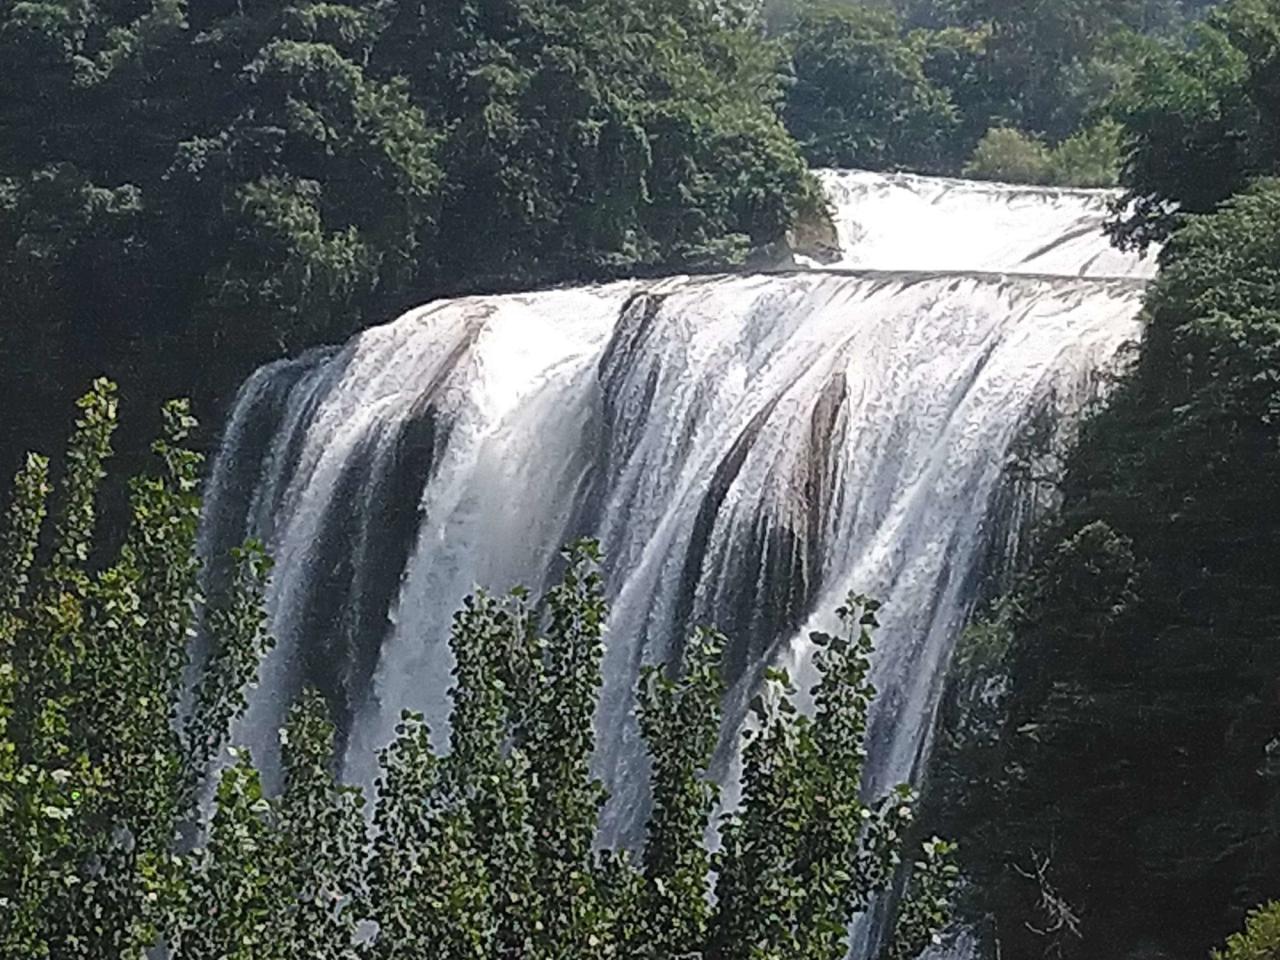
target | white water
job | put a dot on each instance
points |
(902, 221)
(748, 448)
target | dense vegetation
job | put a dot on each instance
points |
(484, 852)
(1121, 707)
(1019, 91)
(188, 189)
(1202, 120)
(1260, 939)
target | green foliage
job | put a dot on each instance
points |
(1038, 56)
(603, 135)
(1131, 738)
(458, 839)
(487, 851)
(927, 907)
(805, 852)
(925, 85)
(94, 780)
(426, 893)
(1009, 155)
(1202, 120)
(1090, 158)
(21, 537)
(235, 894)
(1260, 939)
(861, 97)
(238, 628)
(322, 832)
(680, 722)
(226, 182)
(565, 800)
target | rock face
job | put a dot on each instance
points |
(814, 237)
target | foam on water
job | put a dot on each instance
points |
(901, 221)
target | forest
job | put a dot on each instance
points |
(189, 191)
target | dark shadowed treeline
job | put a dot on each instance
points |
(189, 189)
(1121, 709)
(992, 89)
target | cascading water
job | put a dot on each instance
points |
(747, 448)
(904, 221)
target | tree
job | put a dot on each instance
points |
(220, 182)
(1090, 158)
(919, 84)
(95, 778)
(461, 836)
(861, 97)
(805, 852)
(1200, 122)
(188, 190)
(600, 136)
(235, 899)
(1034, 51)
(485, 851)
(1010, 155)
(323, 836)
(680, 722)
(1133, 744)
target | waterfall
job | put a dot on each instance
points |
(934, 223)
(747, 447)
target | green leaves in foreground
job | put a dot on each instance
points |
(1260, 939)
(485, 852)
(95, 779)
(488, 851)
(806, 852)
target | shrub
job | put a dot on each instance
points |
(1260, 939)
(1090, 158)
(1012, 156)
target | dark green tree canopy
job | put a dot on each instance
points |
(860, 96)
(1133, 751)
(216, 183)
(1201, 121)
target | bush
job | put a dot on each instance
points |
(1260, 939)
(1090, 158)
(1011, 156)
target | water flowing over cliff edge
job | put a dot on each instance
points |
(748, 448)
